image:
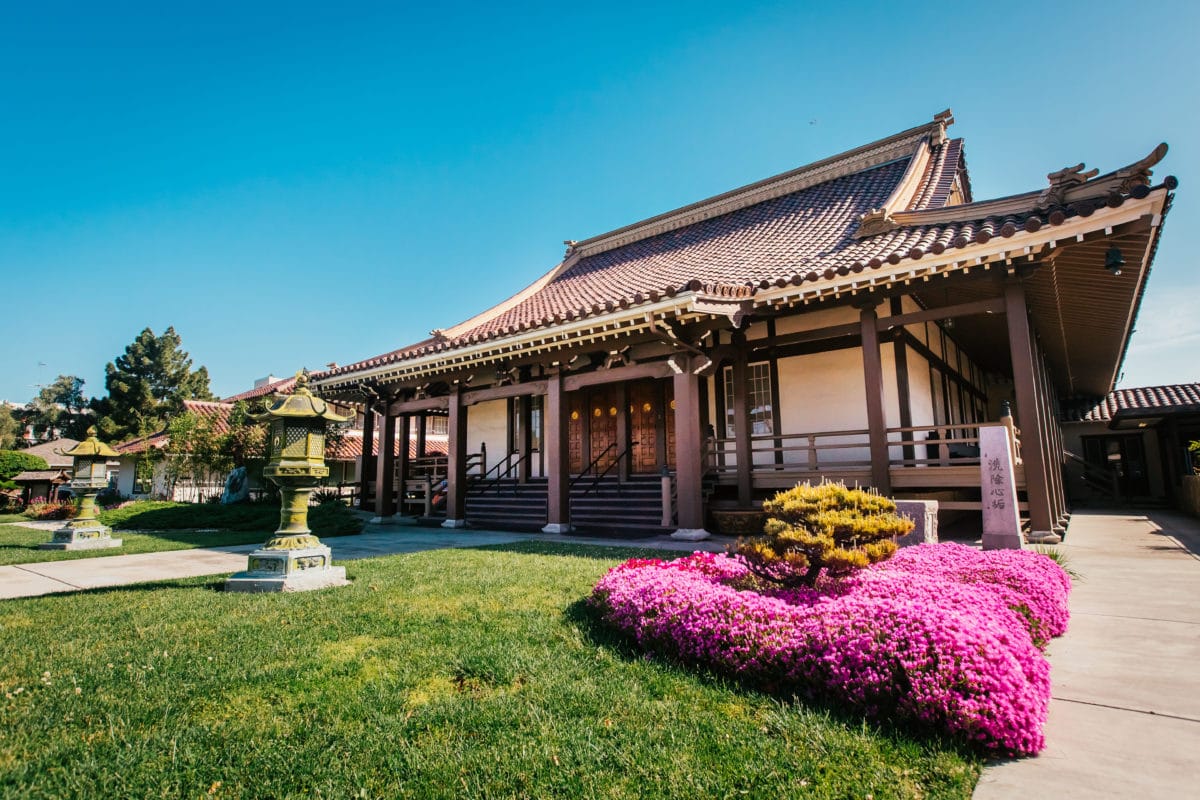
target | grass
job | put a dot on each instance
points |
(451, 673)
(152, 526)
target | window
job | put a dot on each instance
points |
(437, 426)
(762, 414)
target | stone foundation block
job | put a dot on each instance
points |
(924, 514)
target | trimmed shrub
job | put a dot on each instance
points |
(13, 462)
(900, 640)
(826, 527)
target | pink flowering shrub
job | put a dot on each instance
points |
(939, 636)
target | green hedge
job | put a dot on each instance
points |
(13, 462)
(155, 515)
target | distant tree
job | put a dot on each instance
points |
(59, 409)
(10, 428)
(13, 462)
(147, 385)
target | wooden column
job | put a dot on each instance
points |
(558, 458)
(1033, 449)
(876, 418)
(402, 468)
(456, 467)
(903, 392)
(385, 469)
(366, 467)
(689, 461)
(741, 422)
(524, 436)
(623, 449)
(422, 427)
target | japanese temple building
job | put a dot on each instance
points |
(859, 318)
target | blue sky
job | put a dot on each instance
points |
(297, 183)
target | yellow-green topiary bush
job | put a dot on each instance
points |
(825, 527)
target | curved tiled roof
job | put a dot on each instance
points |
(789, 230)
(1142, 401)
(280, 386)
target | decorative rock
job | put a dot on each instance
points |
(690, 534)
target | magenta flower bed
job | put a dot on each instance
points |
(942, 636)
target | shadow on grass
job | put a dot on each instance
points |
(596, 552)
(588, 621)
(214, 583)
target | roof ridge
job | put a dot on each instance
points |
(858, 159)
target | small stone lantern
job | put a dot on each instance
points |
(293, 559)
(91, 476)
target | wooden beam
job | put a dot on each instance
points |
(741, 423)
(558, 460)
(366, 467)
(1020, 343)
(876, 418)
(502, 392)
(654, 369)
(385, 469)
(903, 391)
(804, 337)
(992, 305)
(689, 463)
(456, 467)
(405, 431)
(424, 404)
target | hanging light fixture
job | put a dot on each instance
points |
(1113, 260)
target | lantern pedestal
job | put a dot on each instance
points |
(72, 537)
(293, 559)
(297, 570)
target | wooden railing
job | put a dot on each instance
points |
(917, 446)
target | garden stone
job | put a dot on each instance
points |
(691, 534)
(923, 513)
(294, 570)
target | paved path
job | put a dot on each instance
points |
(49, 577)
(1125, 708)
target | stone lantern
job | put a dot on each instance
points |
(293, 559)
(91, 476)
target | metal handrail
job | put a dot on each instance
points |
(596, 480)
(501, 476)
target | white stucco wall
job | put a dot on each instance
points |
(487, 423)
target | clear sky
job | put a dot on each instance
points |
(297, 183)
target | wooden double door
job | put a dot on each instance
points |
(644, 409)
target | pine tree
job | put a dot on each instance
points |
(147, 385)
(59, 409)
(827, 527)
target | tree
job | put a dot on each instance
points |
(60, 407)
(826, 527)
(10, 428)
(14, 462)
(147, 385)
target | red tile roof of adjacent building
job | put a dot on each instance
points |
(1178, 398)
(280, 386)
(904, 197)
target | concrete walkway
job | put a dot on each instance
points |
(49, 577)
(1125, 708)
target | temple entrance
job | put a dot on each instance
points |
(593, 425)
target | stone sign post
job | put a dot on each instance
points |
(293, 560)
(998, 485)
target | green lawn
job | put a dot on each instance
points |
(453, 673)
(19, 545)
(151, 526)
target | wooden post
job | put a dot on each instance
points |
(524, 436)
(881, 478)
(623, 449)
(689, 461)
(558, 460)
(422, 426)
(456, 467)
(402, 463)
(385, 471)
(366, 467)
(741, 422)
(903, 392)
(1033, 450)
